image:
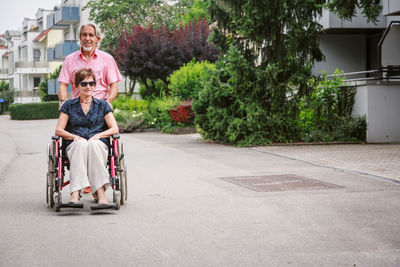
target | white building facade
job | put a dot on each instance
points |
(28, 57)
(368, 53)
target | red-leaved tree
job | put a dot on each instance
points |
(148, 53)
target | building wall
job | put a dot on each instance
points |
(54, 65)
(379, 102)
(343, 51)
(3, 59)
(54, 37)
(390, 7)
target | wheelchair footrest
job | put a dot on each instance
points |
(70, 205)
(104, 206)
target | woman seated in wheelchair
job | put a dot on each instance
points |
(85, 123)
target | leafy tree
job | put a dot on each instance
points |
(347, 8)
(4, 86)
(280, 33)
(116, 16)
(277, 43)
(152, 54)
(198, 10)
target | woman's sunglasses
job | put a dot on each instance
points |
(84, 84)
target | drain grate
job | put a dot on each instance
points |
(282, 182)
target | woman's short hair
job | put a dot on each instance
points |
(82, 74)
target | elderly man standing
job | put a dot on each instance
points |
(101, 63)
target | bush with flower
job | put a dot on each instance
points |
(128, 121)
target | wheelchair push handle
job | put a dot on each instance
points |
(54, 137)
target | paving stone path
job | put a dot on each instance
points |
(374, 159)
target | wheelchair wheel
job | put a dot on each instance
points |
(50, 175)
(122, 173)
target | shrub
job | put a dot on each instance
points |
(132, 114)
(128, 121)
(158, 89)
(123, 102)
(232, 108)
(186, 82)
(325, 115)
(182, 113)
(158, 115)
(7, 95)
(239, 106)
(34, 111)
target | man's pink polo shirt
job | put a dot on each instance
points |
(103, 66)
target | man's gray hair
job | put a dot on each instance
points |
(94, 26)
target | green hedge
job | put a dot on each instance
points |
(34, 111)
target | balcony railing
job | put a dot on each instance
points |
(3, 71)
(63, 17)
(60, 51)
(53, 85)
(31, 64)
(332, 22)
(65, 48)
(51, 54)
(66, 15)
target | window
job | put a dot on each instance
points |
(36, 82)
(36, 54)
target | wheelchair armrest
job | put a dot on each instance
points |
(115, 136)
(55, 137)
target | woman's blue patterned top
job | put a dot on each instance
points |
(86, 125)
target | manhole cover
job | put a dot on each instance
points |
(283, 182)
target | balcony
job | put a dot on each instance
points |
(3, 74)
(63, 17)
(332, 23)
(391, 7)
(52, 87)
(51, 54)
(60, 51)
(64, 49)
(33, 67)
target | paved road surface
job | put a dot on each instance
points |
(185, 209)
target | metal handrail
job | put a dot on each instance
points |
(380, 75)
(382, 39)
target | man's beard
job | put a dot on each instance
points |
(87, 49)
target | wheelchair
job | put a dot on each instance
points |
(58, 161)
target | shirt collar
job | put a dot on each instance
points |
(94, 53)
(76, 101)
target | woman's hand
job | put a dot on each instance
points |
(77, 138)
(95, 137)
